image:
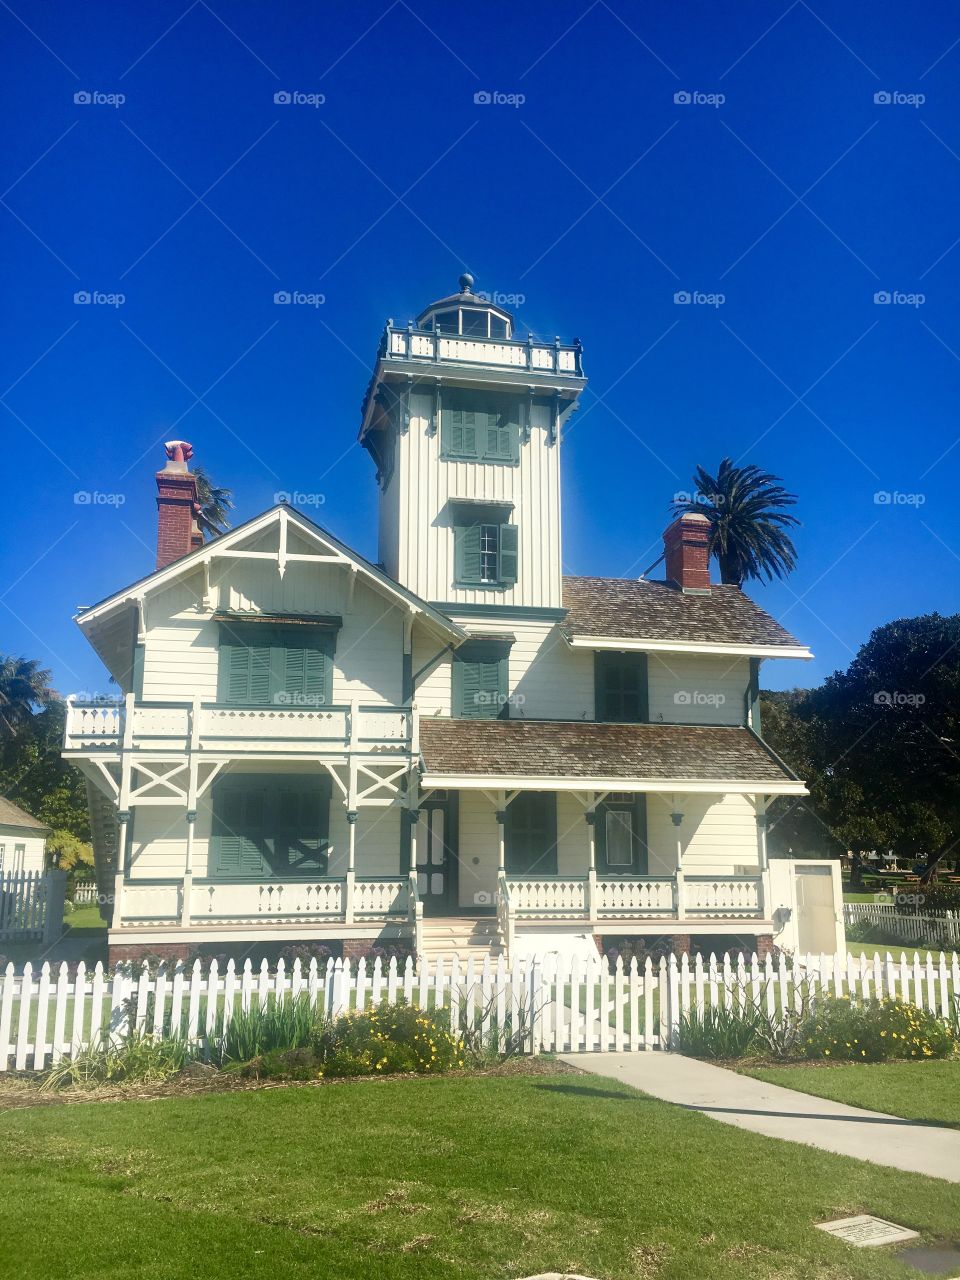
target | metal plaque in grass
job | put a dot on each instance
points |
(865, 1231)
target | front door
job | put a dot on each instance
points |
(435, 858)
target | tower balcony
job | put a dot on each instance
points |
(425, 347)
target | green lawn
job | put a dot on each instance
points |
(913, 1090)
(871, 949)
(423, 1179)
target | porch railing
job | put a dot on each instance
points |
(512, 353)
(207, 900)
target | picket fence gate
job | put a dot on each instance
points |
(541, 1006)
(915, 928)
(31, 905)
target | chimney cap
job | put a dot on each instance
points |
(178, 450)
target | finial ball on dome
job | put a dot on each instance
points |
(466, 282)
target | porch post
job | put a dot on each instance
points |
(123, 817)
(351, 865)
(681, 905)
(413, 817)
(762, 854)
(590, 817)
(188, 872)
(501, 817)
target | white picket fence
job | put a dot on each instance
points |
(917, 929)
(31, 905)
(84, 892)
(578, 1007)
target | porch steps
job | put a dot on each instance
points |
(465, 936)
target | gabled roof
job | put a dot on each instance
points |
(570, 754)
(11, 815)
(185, 564)
(637, 611)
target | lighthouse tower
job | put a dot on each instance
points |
(463, 419)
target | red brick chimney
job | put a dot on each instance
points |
(177, 506)
(686, 543)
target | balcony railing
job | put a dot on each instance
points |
(529, 354)
(178, 726)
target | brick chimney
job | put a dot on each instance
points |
(177, 506)
(686, 543)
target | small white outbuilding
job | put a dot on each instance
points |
(23, 840)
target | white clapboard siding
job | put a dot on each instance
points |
(552, 1006)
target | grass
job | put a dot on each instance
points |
(914, 1090)
(484, 1178)
(871, 949)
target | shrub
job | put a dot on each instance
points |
(387, 1039)
(720, 1032)
(282, 1064)
(137, 1059)
(305, 952)
(282, 1025)
(876, 1031)
(937, 899)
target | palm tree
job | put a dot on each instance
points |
(744, 505)
(214, 502)
(24, 685)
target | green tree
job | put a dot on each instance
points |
(67, 852)
(215, 501)
(35, 776)
(749, 525)
(24, 686)
(879, 744)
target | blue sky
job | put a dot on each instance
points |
(782, 185)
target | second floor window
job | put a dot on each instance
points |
(480, 680)
(621, 687)
(262, 664)
(268, 823)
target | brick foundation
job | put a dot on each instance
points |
(138, 951)
(680, 943)
(764, 945)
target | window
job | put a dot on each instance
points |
(621, 687)
(19, 858)
(480, 427)
(480, 680)
(287, 666)
(270, 824)
(485, 553)
(621, 835)
(531, 834)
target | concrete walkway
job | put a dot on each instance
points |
(764, 1108)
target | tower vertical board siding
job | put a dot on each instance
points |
(425, 541)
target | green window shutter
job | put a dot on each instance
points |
(458, 433)
(509, 554)
(238, 829)
(621, 687)
(305, 675)
(469, 447)
(480, 692)
(467, 553)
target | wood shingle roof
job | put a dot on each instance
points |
(587, 749)
(636, 609)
